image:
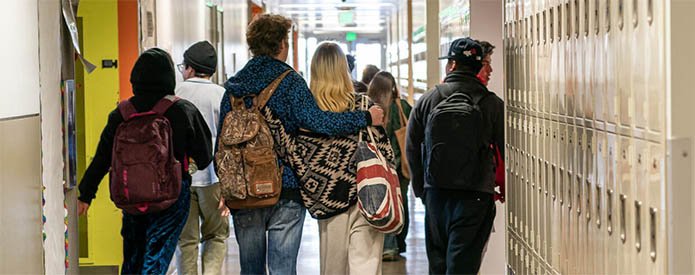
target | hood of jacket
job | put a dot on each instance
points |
(153, 74)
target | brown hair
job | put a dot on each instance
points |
(383, 91)
(368, 73)
(266, 33)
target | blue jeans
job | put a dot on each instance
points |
(284, 223)
(149, 240)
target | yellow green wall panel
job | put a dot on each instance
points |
(97, 97)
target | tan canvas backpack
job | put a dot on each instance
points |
(247, 165)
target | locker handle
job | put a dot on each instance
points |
(623, 218)
(588, 201)
(579, 195)
(607, 20)
(597, 26)
(598, 206)
(652, 228)
(620, 14)
(609, 211)
(635, 13)
(650, 11)
(638, 226)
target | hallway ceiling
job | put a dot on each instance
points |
(324, 16)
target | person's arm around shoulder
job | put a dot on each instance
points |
(304, 110)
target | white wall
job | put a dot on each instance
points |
(486, 24)
(181, 23)
(51, 136)
(18, 53)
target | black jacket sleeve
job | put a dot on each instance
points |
(198, 139)
(414, 137)
(101, 163)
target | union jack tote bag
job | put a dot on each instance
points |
(378, 188)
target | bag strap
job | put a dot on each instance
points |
(126, 109)
(262, 99)
(404, 120)
(163, 104)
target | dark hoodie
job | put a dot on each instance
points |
(293, 104)
(152, 78)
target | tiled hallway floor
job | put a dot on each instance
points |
(414, 261)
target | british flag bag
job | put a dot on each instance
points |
(378, 188)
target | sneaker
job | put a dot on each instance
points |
(390, 255)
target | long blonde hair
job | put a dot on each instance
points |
(330, 80)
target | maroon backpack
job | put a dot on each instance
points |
(145, 176)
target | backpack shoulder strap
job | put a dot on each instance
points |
(262, 98)
(480, 99)
(126, 109)
(163, 104)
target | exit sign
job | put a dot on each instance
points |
(351, 36)
(346, 17)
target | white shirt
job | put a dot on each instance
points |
(206, 96)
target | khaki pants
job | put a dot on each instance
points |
(214, 230)
(349, 245)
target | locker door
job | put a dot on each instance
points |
(611, 73)
(656, 223)
(638, 27)
(612, 208)
(599, 233)
(655, 61)
(625, 205)
(556, 208)
(624, 81)
(641, 205)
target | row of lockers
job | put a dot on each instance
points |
(585, 92)
(584, 193)
(578, 59)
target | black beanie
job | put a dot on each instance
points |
(201, 57)
(153, 73)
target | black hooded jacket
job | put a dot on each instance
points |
(493, 115)
(153, 78)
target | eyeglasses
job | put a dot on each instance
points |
(181, 67)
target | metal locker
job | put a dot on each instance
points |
(655, 225)
(624, 79)
(571, 202)
(554, 72)
(523, 171)
(611, 69)
(611, 194)
(561, 59)
(598, 67)
(556, 208)
(625, 205)
(594, 252)
(577, 54)
(640, 204)
(638, 62)
(655, 62)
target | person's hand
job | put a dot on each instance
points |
(82, 208)
(377, 115)
(223, 208)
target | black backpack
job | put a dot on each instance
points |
(454, 147)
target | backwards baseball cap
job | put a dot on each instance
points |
(466, 51)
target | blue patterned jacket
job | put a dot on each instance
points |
(292, 103)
